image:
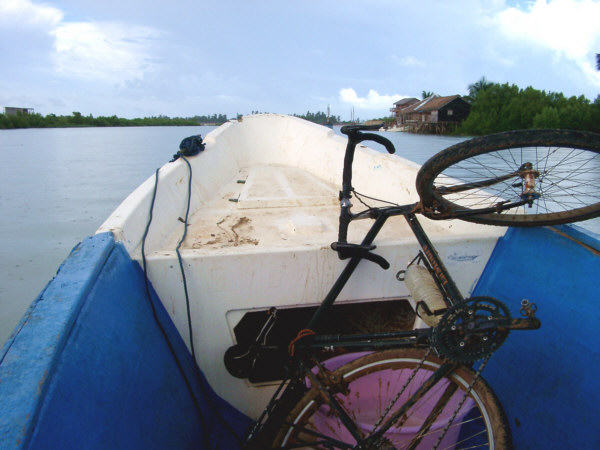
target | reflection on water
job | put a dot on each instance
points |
(58, 186)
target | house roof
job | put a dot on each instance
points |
(405, 101)
(432, 103)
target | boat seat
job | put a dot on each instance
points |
(279, 186)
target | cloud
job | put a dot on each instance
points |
(24, 14)
(372, 101)
(569, 28)
(408, 61)
(101, 52)
(109, 52)
(157, 58)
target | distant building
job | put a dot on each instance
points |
(433, 114)
(11, 111)
(399, 106)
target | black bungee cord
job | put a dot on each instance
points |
(190, 146)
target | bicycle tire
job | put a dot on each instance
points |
(384, 373)
(567, 184)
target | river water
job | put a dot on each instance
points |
(58, 185)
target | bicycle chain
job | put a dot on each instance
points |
(454, 413)
(461, 403)
(395, 400)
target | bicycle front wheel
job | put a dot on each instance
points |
(556, 173)
(460, 411)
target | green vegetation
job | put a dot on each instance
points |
(477, 87)
(319, 117)
(501, 107)
(79, 120)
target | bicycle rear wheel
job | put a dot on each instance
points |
(556, 171)
(376, 385)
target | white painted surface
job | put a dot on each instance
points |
(271, 247)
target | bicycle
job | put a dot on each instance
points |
(421, 388)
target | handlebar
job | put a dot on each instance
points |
(354, 131)
(355, 135)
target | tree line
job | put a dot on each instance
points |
(501, 107)
(319, 117)
(78, 120)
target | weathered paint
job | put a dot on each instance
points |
(547, 379)
(88, 366)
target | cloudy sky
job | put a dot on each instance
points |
(138, 58)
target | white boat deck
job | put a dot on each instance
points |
(271, 208)
(266, 207)
(276, 207)
(264, 213)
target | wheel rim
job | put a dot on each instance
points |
(566, 183)
(365, 406)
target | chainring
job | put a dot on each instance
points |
(464, 333)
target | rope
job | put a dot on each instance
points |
(301, 335)
(188, 385)
(180, 259)
(154, 313)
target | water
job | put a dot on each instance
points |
(59, 185)
(416, 147)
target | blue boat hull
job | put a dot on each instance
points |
(89, 365)
(547, 379)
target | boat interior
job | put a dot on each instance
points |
(262, 217)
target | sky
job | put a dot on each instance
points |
(181, 58)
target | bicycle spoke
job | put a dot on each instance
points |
(566, 180)
(325, 439)
(336, 407)
(440, 402)
(435, 412)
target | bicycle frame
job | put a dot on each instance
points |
(358, 252)
(372, 341)
(453, 293)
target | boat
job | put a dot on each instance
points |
(124, 347)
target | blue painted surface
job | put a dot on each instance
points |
(88, 366)
(547, 379)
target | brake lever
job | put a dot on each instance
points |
(346, 250)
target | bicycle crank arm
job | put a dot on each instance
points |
(519, 324)
(531, 323)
